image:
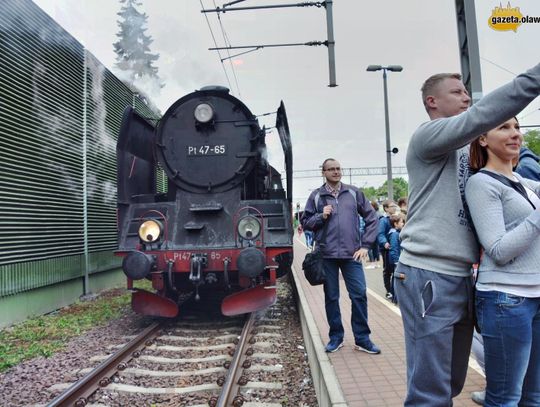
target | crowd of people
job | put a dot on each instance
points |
(474, 199)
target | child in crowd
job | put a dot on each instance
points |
(390, 208)
(374, 253)
(397, 221)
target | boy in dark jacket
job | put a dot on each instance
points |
(389, 207)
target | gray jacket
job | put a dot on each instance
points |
(343, 230)
(509, 231)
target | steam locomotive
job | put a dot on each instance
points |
(223, 228)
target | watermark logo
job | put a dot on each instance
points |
(509, 18)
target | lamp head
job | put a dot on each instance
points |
(395, 68)
(373, 68)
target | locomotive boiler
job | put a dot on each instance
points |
(222, 228)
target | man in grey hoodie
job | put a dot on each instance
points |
(433, 278)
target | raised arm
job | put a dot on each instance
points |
(436, 138)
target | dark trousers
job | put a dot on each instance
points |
(388, 270)
(391, 269)
(355, 281)
(374, 252)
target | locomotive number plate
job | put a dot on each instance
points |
(187, 255)
(195, 151)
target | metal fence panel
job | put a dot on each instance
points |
(60, 112)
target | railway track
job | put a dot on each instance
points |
(231, 363)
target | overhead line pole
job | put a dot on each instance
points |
(330, 44)
(469, 52)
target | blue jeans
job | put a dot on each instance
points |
(510, 328)
(437, 311)
(355, 281)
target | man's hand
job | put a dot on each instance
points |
(360, 254)
(327, 211)
(387, 245)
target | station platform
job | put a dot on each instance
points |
(355, 378)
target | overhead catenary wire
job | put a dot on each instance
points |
(329, 43)
(528, 114)
(317, 4)
(498, 66)
(514, 74)
(232, 2)
(228, 43)
(215, 43)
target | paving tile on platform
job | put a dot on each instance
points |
(372, 380)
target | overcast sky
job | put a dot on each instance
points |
(346, 122)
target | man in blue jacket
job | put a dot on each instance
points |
(336, 206)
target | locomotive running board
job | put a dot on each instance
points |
(250, 300)
(146, 303)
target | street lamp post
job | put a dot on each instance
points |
(392, 68)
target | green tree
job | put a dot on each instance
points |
(132, 50)
(532, 141)
(401, 188)
(370, 193)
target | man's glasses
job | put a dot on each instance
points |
(338, 169)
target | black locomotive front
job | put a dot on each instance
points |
(224, 223)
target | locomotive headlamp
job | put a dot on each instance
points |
(204, 113)
(249, 227)
(150, 231)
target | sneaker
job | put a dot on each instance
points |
(368, 347)
(478, 397)
(389, 296)
(334, 345)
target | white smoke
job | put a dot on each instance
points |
(106, 141)
(56, 125)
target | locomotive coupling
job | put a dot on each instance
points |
(251, 262)
(197, 262)
(137, 265)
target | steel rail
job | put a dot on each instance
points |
(77, 394)
(229, 392)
